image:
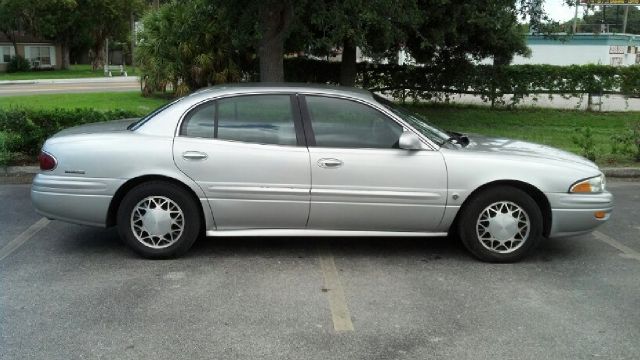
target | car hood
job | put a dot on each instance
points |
(99, 127)
(479, 143)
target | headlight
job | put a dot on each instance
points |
(592, 185)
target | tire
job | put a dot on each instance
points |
(512, 215)
(172, 219)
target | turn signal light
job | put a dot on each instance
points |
(583, 187)
(599, 214)
(47, 161)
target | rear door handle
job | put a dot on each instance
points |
(330, 163)
(194, 155)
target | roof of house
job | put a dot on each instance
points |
(24, 38)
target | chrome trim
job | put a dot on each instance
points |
(320, 233)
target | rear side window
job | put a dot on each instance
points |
(261, 119)
(344, 123)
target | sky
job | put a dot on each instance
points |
(559, 11)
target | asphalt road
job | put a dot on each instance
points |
(70, 292)
(65, 86)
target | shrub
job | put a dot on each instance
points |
(491, 83)
(18, 63)
(8, 144)
(584, 140)
(627, 142)
(24, 131)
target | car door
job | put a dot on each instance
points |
(247, 153)
(361, 179)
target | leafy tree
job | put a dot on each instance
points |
(187, 45)
(107, 19)
(61, 21)
(377, 27)
(614, 15)
(15, 15)
(454, 31)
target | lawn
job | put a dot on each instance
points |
(76, 71)
(545, 126)
(131, 101)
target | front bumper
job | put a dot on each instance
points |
(574, 214)
(76, 200)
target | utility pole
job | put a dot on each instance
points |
(575, 18)
(624, 20)
(133, 41)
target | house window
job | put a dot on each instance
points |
(5, 54)
(40, 55)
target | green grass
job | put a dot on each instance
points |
(131, 101)
(76, 71)
(545, 126)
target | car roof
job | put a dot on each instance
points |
(240, 88)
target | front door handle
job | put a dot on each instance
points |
(194, 155)
(330, 163)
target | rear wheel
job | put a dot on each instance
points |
(500, 224)
(158, 220)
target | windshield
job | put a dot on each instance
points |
(150, 115)
(416, 121)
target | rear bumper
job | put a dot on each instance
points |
(76, 200)
(574, 214)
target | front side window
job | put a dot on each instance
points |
(41, 55)
(348, 124)
(261, 119)
(5, 53)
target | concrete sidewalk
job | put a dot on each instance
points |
(72, 81)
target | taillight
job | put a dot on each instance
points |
(47, 162)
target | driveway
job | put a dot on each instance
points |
(69, 291)
(64, 86)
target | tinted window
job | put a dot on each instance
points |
(200, 122)
(348, 124)
(263, 119)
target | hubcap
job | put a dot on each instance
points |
(503, 227)
(157, 222)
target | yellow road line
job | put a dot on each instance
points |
(335, 293)
(14, 244)
(627, 251)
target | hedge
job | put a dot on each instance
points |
(490, 82)
(23, 131)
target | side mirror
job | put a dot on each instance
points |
(409, 141)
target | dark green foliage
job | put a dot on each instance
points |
(24, 131)
(489, 82)
(627, 142)
(198, 55)
(17, 64)
(584, 140)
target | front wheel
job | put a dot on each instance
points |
(158, 220)
(500, 224)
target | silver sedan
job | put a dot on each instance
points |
(296, 160)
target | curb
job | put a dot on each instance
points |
(622, 172)
(71, 80)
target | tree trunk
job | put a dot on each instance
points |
(275, 18)
(11, 36)
(66, 62)
(98, 56)
(348, 69)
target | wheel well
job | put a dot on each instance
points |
(535, 193)
(112, 214)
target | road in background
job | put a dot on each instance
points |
(65, 86)
(77, 292)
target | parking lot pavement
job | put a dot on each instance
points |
(77, 292)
